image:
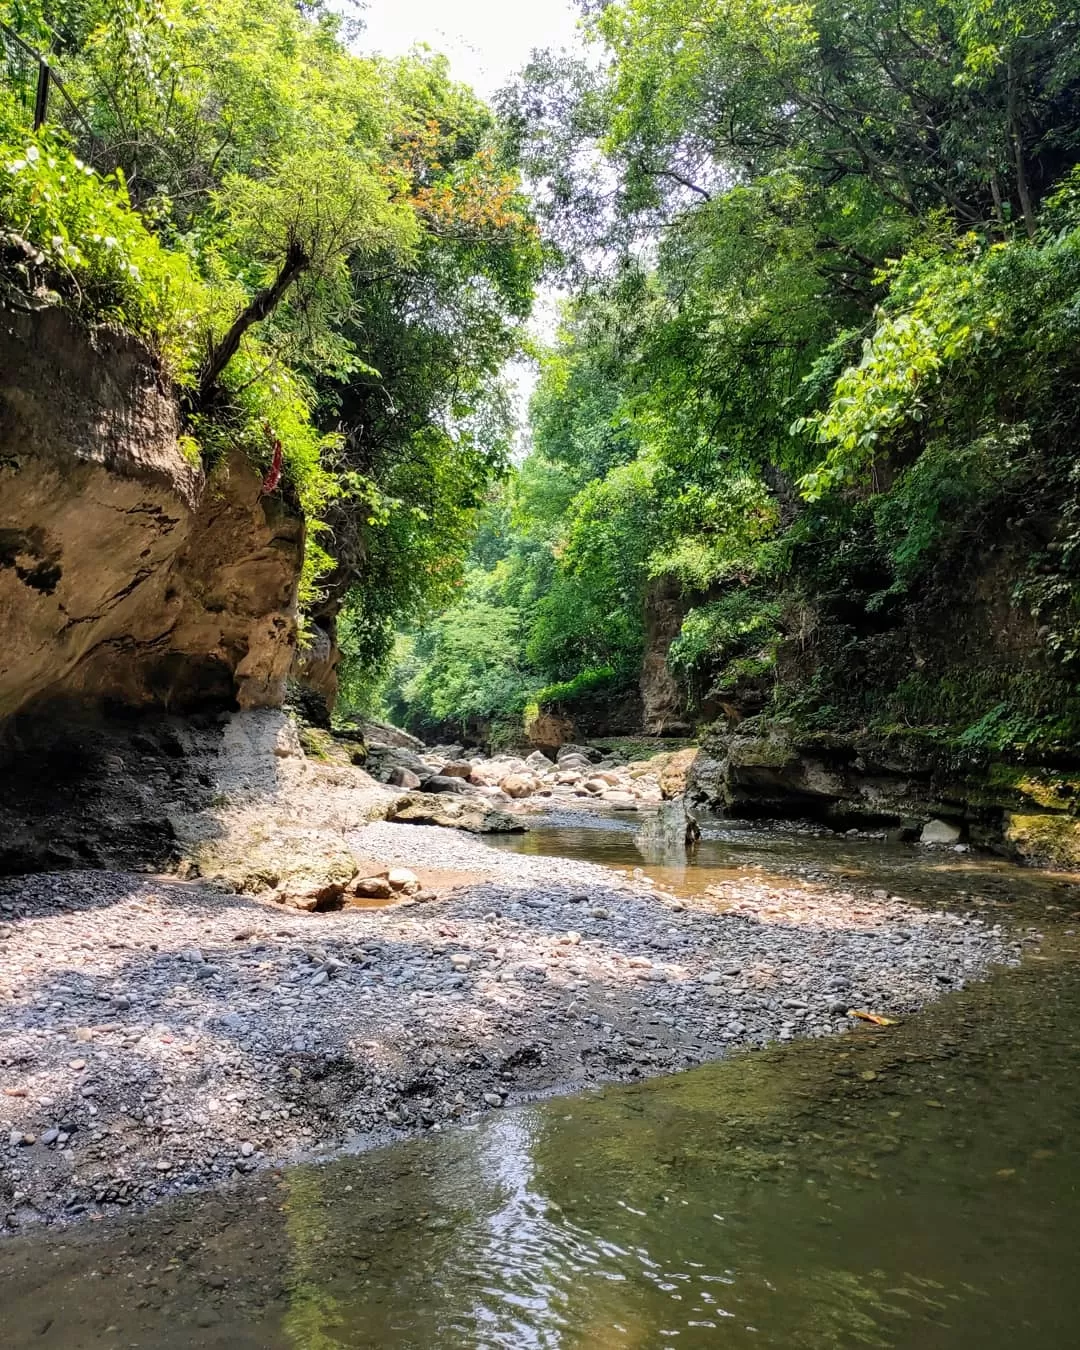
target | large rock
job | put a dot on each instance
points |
(383, 733)
(126, 575)
(420, 808)
(1044, 839)
(457, 768)
(384, 761)
(940, 832)
(548, 730)
(442, 783)
(675, 770)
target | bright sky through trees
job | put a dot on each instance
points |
(486, 40)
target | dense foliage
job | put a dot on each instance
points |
(328, 252)
(818, 371)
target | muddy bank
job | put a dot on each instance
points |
(157, 1037)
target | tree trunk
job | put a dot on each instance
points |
(1022, 190)
(264, 303)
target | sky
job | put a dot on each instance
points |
(486, 40)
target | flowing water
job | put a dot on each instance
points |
(912, 1187)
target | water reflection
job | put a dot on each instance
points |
(734, 851)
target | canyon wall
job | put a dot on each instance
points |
(129, 575)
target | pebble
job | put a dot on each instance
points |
(320, 1027)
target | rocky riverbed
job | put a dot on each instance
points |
(157, 1036)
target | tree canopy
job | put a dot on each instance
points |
(329, 252)
(820, 337)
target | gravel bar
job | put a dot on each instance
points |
(159, 1036)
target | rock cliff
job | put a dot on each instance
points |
(663, 701)
(902, 783)
(128, 575)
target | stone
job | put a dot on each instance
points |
(457, 768)
(548, 730)
(940, 832)
(517, 785)
(383, 733)
(399, 776)
(311, 893)
(576, 764)
(474, 816)
(676, 770)
(373, 887)
(441, 783)
(492, 1099)
(402, 879)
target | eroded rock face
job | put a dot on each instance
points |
(127, 576)
(857, 781)
(315, 665)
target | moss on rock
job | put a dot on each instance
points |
(1044, 840)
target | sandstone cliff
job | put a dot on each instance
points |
(128, 575)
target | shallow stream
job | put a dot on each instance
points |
(913, 1186)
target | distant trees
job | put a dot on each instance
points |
(821, 345)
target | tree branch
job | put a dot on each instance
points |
(295, 263)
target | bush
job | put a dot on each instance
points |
(96, 253)
(727, 641)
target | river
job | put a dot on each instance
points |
(912, 1186)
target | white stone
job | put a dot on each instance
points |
(940, 832)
